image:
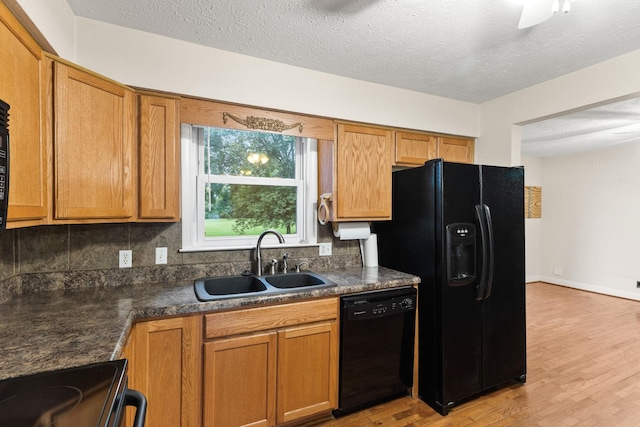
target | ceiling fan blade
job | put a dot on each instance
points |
(535, 12)
(627, 140)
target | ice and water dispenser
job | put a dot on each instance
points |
(461, 253)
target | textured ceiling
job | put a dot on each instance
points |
(469, 50)
(592, 129)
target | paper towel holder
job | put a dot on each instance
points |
(335, 228)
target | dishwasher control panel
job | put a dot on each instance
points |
(378, 304)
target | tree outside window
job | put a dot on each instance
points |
(251, 182)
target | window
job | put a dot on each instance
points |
(236, 184)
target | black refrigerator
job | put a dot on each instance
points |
(460, 227)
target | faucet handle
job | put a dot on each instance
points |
(285, 263)
(274, 265)
(298, 265)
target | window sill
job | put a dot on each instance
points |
(245, 247)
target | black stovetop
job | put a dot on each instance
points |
(85, 396)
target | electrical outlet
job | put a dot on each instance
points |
(557, 271)
(126, 258)
(161, 255)
(324, 249)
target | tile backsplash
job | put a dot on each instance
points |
(67, 256)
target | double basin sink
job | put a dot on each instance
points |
(216, 288)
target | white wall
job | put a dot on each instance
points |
(580, 255)
(499, 141)
(56, 22)
(532, 226)
(148, 60)
(590, 217)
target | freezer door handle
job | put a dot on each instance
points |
(490, 255)
(483, 291)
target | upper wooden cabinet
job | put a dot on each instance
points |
(94, 146)
(23, 87)
(159, 158)
(453, 149)
(414, 148)
(355, 170)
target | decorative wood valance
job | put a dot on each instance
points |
(219, 114)
(262, 123)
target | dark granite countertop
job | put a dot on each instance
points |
(59, 329)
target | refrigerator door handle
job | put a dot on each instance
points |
(482, 284)
(489, 223)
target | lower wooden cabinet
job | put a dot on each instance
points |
(259, 366)
(165, 365)
(307, 371)
(240, 381)
(285, 373)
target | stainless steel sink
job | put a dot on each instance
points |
(216, 288)
(213, 288)
(297, 280)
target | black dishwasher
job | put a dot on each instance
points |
(376, 347)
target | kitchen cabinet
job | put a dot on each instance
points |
(240, 382)
(414, 148)
(165, 365)
(23, 87)
(159, 158)
(270, 365)
(94, 146)
(355, 173)
(455, 149)
(307, 367)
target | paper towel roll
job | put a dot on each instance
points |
(369, 249)
(351, 230)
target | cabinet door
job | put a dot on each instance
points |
(363, 168)
(159, 157)
(458, 150)
(240, 381)
(166, 368)
(94, 143)
(23, 87)
(307, 370)
(414, 149)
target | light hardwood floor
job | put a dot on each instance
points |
(583, 356)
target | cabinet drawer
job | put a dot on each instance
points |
(271, 317)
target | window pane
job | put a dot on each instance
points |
(240, 210)
(243, 153)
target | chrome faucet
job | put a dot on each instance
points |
(299, 265)
(258, 249)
